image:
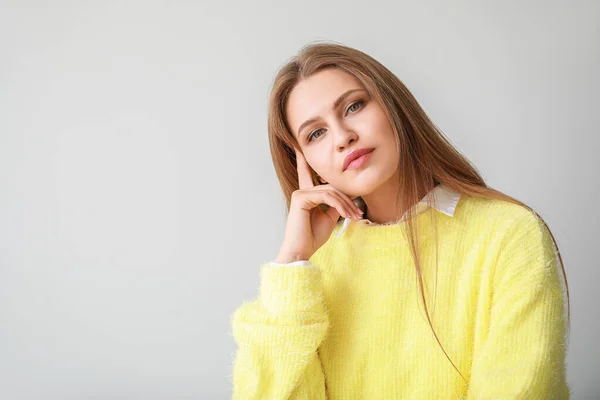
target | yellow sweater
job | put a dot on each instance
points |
(353, 327)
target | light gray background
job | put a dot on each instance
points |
(137, 193)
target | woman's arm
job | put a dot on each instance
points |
(278, 336)
(523, 356)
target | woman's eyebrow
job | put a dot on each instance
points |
(333, 107)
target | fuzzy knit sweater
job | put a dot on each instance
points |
(351, 324)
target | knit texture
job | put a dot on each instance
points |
(355, 326)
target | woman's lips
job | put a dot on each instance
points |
(357, 163)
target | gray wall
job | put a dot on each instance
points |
(137, 194)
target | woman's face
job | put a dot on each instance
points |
(334, 131)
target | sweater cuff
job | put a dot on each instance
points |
(290, 264)
(291, 290)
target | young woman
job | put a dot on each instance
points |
(401, 274)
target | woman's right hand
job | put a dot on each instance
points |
(308, 227)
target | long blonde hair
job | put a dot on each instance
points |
(426, 156)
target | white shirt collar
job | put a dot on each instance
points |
(444, 200)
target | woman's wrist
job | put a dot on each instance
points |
(285, 258)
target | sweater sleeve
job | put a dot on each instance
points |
(278, 336)
(523, 355)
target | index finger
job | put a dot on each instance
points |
(304, 176)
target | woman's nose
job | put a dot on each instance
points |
(344, 136)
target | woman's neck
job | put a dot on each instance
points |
(382, 207)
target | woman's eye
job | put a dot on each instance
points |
(311, 137)
(355, 103)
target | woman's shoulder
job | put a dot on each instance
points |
(494, 211)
